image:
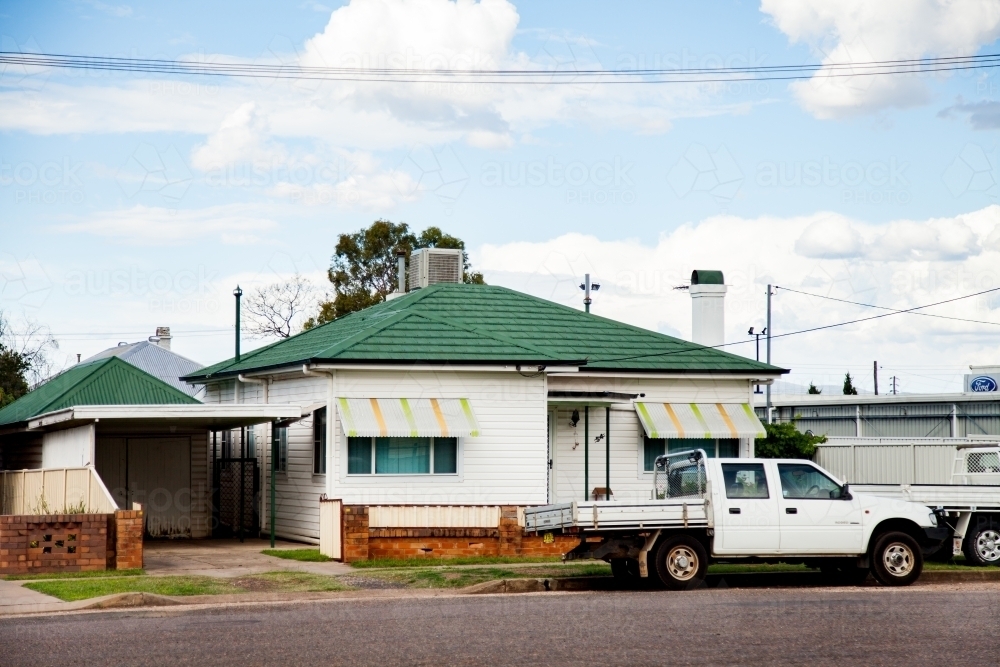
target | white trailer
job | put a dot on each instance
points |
(747, 510)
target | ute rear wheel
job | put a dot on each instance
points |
(681, 562)
(982, 543)
(896, 559)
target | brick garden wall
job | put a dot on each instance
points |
(69, 542)
(362, 542)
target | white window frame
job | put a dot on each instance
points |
(408, 478)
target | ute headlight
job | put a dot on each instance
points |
(933, 517)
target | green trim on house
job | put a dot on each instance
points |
(485, 324)
(108, 381)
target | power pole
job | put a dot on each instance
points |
(768, 330)
(894, 379)
(875, 371)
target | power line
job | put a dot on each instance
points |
(868, 305)
(505, 76)
(811, 329)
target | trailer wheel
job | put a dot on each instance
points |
(681, 562)
(897, 559)
(982, 544)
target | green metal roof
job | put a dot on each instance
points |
(104, 382)
(465, 324)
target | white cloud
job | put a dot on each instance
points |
(146, 225)
(242, 137)
(899, 265)
(855, 31)
(433, 34)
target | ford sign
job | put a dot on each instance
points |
(983, 383)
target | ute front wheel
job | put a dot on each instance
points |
(897, 559)
(681, 562)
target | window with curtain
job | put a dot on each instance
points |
(653, 447)
(402, 456)
(251, 442)
(319, 442)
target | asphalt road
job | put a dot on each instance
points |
(929, 625)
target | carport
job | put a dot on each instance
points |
(148, 442)
(158, 456)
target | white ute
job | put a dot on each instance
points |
(747, 510)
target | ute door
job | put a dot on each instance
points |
(749, 511)
(815, 517)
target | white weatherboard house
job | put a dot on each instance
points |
(477, 395)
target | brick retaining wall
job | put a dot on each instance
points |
(362, 542)
(70, 542)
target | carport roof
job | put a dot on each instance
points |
(209, 417)
(103, 382)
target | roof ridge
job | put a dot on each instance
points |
(363, 334)
(87, 378)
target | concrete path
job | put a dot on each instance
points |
(227, 558)
(14, 598)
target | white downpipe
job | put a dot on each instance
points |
(264, 382)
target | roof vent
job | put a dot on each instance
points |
(430, 266)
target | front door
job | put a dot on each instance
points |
(749, 509)
(814, 518)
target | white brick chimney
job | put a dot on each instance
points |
(708, 308)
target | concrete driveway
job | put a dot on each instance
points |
(227, 558)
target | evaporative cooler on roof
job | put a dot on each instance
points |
(429, 266)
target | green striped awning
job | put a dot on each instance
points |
(699, 420)
(408, 417)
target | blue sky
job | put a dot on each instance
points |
(135, 201)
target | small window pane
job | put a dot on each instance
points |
(402, 456)
(319, 441)
(799, 480)
(729, 448)
(445, 456)
(744, 480)
(687, 444)
(359, 456)
(651, 449)
(282, 449)
(251, 442)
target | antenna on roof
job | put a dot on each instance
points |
(588, 287)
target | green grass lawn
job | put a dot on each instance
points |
(278, 582)
(456, 577)
(306, 555)
(75, 575)
(379, 563)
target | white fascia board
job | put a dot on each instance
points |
(177, 413)
(763, 379)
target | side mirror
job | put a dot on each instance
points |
(845, 493)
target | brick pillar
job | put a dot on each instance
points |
(510, 532)
(128, 539)
(14, 545)
(355, 522)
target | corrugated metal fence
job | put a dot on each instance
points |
(890, 460)
(54, 491)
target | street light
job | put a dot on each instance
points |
(237, 293)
